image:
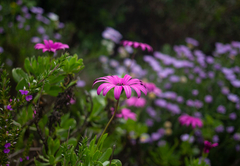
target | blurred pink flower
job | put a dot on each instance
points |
(137, 102)
(127, 114)
(137, 45)
(208, 145)
(189, 120)
(119, 84)
(50, 46)
(151, 87)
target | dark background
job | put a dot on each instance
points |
(156, 22)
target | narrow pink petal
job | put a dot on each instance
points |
(101, 87)
(106, 89)
(133, 81)
(137, 91)
(142, 45)
(46, 42)
(141, 87)
(126, 78)
(135, 44)
(128, 91)
(117, 92)
(39, 46)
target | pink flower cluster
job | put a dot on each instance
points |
(50, 46)
(137, 102)
(137, 45)
(189, 120)
(126, 114)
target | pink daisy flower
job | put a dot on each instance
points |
(119, 84)
(50, 46)
(137, 102)
(137, 45)
(208, 145)
(189, 120)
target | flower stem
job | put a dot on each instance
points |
(115, 111)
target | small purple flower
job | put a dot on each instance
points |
(20, 159)
(215, 139)
(23, 92)
(221, 109)
(195, 92)
(208, 99)
(219, 129)
(190, 103)
(233, 116)
(225, 90)
(235, 83)
(6, 150)
(7, 145)
(191, 41)
(61, 25)
(1, 30)
(149, 122)
(1, 50)
(197, 114)
(180, 99)
(41, 30)
(9, 107)
(162, 143)
(80, 83)
(237, 147)
(236, 136)
(198, 104)
(232, 97)
(29, 97)
(27, 157)
(230, 129)
(151, 112)
(35, 39)
(57, 36)
(156, 136)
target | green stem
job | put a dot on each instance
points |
(115, 111)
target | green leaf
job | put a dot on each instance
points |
(72, 141)
(37, 163)
(23, 83)
(18, 74)
(116, 162)
(106, 155)
(51, 159)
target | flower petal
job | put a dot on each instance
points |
(117, 92)
(101, 87)
(105, 91)
(128, 91)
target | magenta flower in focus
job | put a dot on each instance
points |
(137, 45)
(137, 102)
(119, 84)
(189, 120)
(50, 46)
(208, 145)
